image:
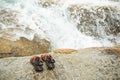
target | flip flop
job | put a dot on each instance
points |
(49, 60)
(37, 63)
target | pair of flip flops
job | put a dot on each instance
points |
(37, 62)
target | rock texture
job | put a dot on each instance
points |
(23, 47)
(64, 51)
(86, 64)
(87, 24)
(47, 3)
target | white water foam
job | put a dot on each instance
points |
(53, 23)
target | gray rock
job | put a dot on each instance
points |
(82, 65)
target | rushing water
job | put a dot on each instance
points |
(65, 23)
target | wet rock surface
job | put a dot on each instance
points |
(105, 19)
(86, 64)
(47, 3)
